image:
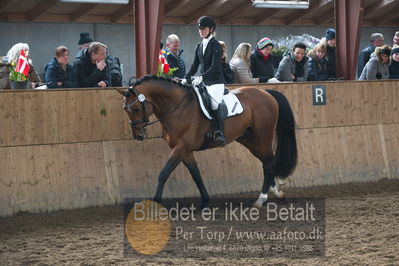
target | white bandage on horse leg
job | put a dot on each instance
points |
(262, 199)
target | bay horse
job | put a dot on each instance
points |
(267, 121)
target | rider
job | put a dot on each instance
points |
(208, 55)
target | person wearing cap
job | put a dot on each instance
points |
(329, 41)
(378, 65)
(208, 58)
(293, 67)
(84, 40)
(376, 40)
(394, 64)
(261, 60)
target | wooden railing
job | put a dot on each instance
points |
(62, 149)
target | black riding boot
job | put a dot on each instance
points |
(219, 116)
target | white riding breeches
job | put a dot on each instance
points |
(216, 92)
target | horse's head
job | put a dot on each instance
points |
(138, 109)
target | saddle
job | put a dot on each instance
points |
(232, 107)
(206, 98)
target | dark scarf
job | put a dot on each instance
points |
(299, 66)
(395, 64)
(394, 69)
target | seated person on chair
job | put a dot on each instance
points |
(208, 56)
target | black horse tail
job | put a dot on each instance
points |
(285, 157)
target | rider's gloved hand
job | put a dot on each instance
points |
(197, 81)
(183, 81)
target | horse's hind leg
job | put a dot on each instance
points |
(269, 184)
(191, 164)
(265, 154)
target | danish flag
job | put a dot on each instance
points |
(22, 65)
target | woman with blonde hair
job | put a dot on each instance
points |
(240, 64)
(378, 65)
(317, 63)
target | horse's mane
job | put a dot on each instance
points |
(147, 78)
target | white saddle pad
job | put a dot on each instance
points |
(234, 106)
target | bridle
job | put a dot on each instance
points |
(140, 99)
(144, 120)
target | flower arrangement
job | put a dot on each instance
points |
(19, 70)
(15, 75)
(164, 69)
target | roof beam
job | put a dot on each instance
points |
(81, 11)
(204, 10)
(174, 5)
(325, 17)
(393, 14)
(237, 11)
(265, 15)
(122, 12)
(314, 5)
(40, 9)
(4, 4)
(377, 7)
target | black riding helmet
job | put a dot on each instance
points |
(206, 21)
(209, 22)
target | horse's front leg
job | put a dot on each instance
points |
(171, 164)
(191, 164)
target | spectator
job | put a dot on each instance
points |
(84, 40)
(396, 39)
(376, 40)
(114, 67)
(240, 63)
(394, 65)
(227, 72)
(173, 56)
(12, 58)
(317, 64)
(378, 65)
(330, 43)
(90, 66)
(114, 71)
(58, 73)
(293, 66)
(261, 60)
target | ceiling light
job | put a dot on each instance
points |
(280, 4)
(123, 2)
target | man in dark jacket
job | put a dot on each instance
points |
(91, 67)
(262, 61)
(173, 56)
(376, 40)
